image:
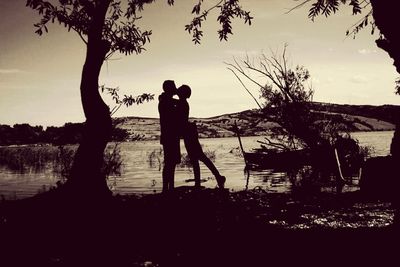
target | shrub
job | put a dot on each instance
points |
(27, 158)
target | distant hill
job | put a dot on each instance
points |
(388, 113)
(252, 122)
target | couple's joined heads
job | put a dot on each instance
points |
(183, 91)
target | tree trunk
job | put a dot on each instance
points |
(386, 18)
(86, 174)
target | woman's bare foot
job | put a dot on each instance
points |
(221, 181)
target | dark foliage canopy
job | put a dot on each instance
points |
(120, 27)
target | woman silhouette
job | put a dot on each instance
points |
(191, 139)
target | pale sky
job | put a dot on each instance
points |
(40, 75)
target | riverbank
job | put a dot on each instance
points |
(208, 227)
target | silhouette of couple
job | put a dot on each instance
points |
(174, 125)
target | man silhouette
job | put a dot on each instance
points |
(170, 136)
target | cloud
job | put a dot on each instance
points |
(330, 80)
(315, 80)
(11, 71)
(242, 53)
(359, 79)
(366, 51)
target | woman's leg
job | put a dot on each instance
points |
(210, 165)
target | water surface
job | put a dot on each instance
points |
(141, 176)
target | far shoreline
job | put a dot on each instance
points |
(157, 139)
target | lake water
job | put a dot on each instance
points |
(141, 176)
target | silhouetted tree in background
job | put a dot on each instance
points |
(106, 27)
(287, 95)
(384, 16)
(70, 133)
(380, 14)
(20, 134)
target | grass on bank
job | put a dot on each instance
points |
(36, 158)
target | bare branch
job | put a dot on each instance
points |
(356, 26)
(284, 58)
(297, 6)
(245, 74)
(267, 74)
(273, 144)
(244, 86)
(115, 109)
(80, 35)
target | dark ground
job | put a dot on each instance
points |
(208, 227)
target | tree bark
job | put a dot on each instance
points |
(386, 17)
(86, 174)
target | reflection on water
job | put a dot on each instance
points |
(21, 185)
(142, 176)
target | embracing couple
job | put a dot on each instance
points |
(174, 125)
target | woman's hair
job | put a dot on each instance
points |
(184, 91)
